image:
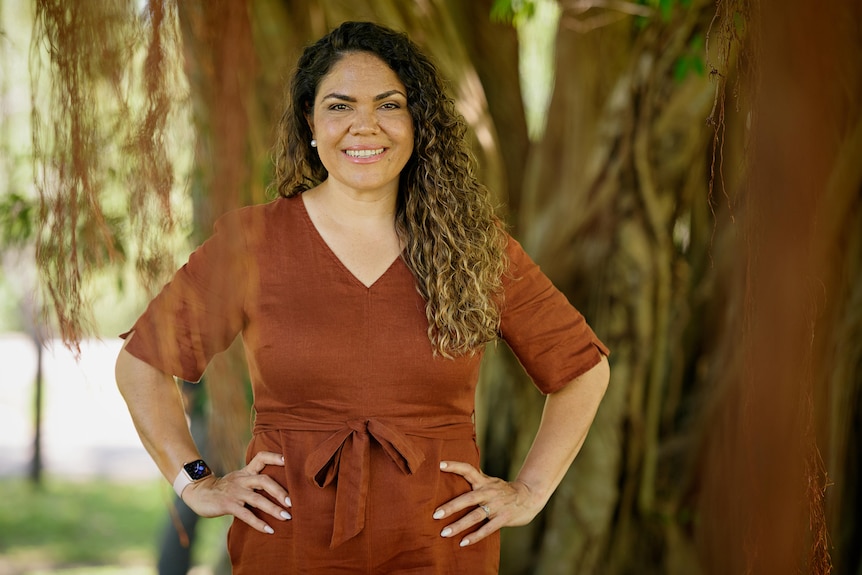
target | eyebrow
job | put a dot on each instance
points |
(377, 98)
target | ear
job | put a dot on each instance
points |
(309, 119)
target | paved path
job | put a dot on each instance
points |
(87, 431)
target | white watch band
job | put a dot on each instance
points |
(181, 482)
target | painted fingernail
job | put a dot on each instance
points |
(446, 532)
(439, 513)
(285, 514)
(287, 502)
(464, 542)
(443, 465)
(268, 529)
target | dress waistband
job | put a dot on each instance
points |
(345, 455)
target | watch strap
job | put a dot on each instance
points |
(184, 479)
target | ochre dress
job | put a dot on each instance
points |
(346, 386)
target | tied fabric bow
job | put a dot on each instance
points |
(346, 455)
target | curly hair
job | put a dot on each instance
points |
(455, 245)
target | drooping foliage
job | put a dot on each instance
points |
(104, 85)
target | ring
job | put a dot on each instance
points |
(487, 510)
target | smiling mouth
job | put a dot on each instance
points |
(364, 153)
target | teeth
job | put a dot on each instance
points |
(363, 153)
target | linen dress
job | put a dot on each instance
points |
(347, 387)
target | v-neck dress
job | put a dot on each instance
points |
(347, 387)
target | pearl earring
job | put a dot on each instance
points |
(313, 143)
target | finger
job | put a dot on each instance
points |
(488, 489)
(256, 466)
(465, 470)
(230, 495)
(473, 518)
(465, 501)
(267, 484)
(262, 459)
(258, 501)
(488, 529)
(244, 514)
(254, 483)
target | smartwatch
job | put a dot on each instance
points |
(192, 472)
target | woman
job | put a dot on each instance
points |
(364, 296)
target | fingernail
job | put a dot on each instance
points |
(443, 465)
(446, 532)
(439, 513)
(268, 529)
(464, 542)
(285, 514)
(287, 502)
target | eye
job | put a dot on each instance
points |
(391, 106)
(339, 107)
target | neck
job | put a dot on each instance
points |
(349, 204)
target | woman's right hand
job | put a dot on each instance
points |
(229, 495)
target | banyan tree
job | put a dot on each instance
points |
(695, 190)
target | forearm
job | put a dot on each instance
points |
(156, 407)
(566, 419)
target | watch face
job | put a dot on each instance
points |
(197, 469)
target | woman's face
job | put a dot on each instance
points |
(363, 128)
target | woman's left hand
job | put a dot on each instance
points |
(494, 502)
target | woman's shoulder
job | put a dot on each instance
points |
(277, 209)
(517, 257)
(262, 220)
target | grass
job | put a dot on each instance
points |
(78, 526)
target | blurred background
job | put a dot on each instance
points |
(688, 172)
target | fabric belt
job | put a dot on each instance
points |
(344, 457)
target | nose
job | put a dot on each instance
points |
(364, 122)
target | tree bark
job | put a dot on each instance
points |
(618, 172)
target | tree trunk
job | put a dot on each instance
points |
(37, 465)
(620, 171)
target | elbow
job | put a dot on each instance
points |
(604, 371)
(130, 372)
(599, 376)
(135, 377)
(594, 381)
(123, 369)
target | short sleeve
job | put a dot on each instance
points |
(200, 311)
(548, 335)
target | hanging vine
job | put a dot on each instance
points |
(90, 134)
